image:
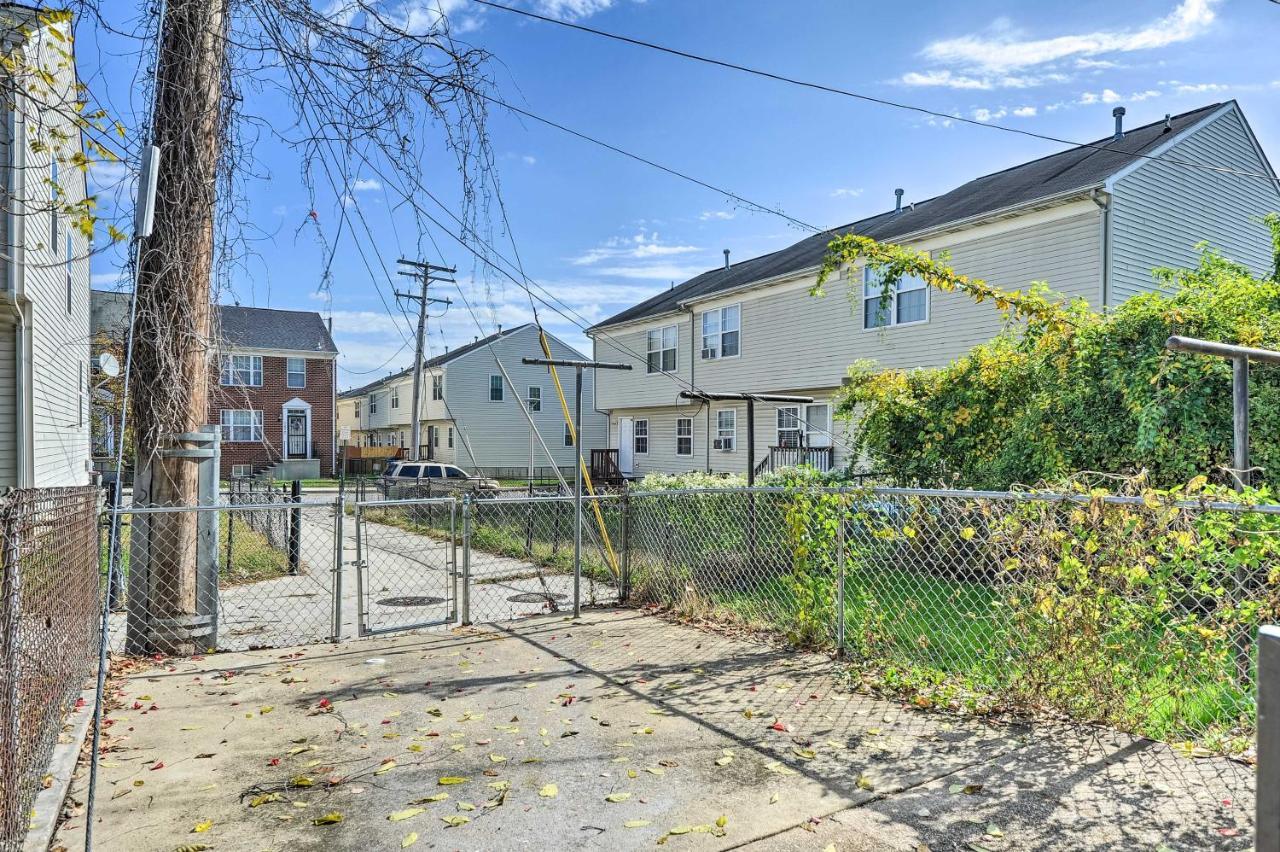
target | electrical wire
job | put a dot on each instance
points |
(835, 90)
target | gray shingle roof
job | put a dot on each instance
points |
(437, 361)
(1076, 169)
(270, 328)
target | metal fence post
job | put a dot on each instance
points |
(466, 558)
(1267, 832)
(11, 815)
(295, 526)
(840, 568)
(338, 553)
(453, 559)
(624, 581)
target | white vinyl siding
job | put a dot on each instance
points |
(1159, 212)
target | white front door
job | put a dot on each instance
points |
(626, 444)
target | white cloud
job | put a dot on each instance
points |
(1110, 96)
(982, 114)
(366, 185)
(1003, 48)
(946, 79)
(719, 215)
(846, 192)
(1095, 64)
(528, 159)
(640, 246)
(108, 174)
(653, 272)
(572, 9)
(1024, 111)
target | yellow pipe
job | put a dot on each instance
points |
(586, 476)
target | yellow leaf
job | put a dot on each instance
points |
(407, 813)
(331, 818)
(386, 767)
(455, 820)
(722, 821)
(635, 823)
(264, 799)
(438, 797)
(202, 827)
(409, 839)
(549, 791)
(451, 780)
(617, 797)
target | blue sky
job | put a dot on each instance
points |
(603, 232)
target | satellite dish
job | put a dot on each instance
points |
(107, 364)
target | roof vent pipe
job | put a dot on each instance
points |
(1118, 112)
(726, 258)
(1168, 123)
(897, 208)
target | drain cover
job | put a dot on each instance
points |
(535, 597)
(410, 600)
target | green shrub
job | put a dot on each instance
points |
(1069, 390)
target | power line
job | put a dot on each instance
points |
(835, 90)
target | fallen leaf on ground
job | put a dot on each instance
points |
(202, 826)
(451, 780)
(407, 813)
(409, 839)
(331, 818)
(635, 823)
(549, 791)
(455, 820)
(617, 797)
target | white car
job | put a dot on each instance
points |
(406, 473)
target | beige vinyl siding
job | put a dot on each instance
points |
(792, 339)
(1160, 212)
(637, 386)
(662, 457)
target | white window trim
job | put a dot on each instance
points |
(826, 430)
(893, 306)
(680, 420)
(437, 381)
(568, 440)
(288, 374)
(395, 397)
(720, 431)
(255, 425)
(294, 404)
(488, 393)
(634, 434)
(777, 430)
(675, 369)
(529, 396)
(226, 369)
(720, 356)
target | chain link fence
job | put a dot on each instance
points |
(224, 578)
(48, 634)
(1132, 612)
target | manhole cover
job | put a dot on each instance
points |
(410, 600)
(535, 597)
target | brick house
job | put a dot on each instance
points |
(273, 393)
(272, 387)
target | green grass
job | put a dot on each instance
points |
(253, 559)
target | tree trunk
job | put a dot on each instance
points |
(172, 336)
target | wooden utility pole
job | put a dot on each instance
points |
(422, 272)
(172, 336)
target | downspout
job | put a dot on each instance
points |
(22, 434)
(1103, 200)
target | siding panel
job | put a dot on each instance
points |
(1161, 212)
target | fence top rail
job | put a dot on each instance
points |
(407, 501)
(545, 498)
(960, 493)
(221, 507)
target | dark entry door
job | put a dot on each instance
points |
(297, 434)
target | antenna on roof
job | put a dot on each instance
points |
(1118, 112)
(897, 208)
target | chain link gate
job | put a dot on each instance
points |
(407, 568)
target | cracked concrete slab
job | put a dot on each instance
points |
(645, 727)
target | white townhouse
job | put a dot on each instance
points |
(1091, 222)
(45, 377)
(470, 413)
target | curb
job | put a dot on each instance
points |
(62, 766)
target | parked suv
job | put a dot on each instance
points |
(407, 473)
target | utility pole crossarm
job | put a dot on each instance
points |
(422, 272)
(569, 362)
